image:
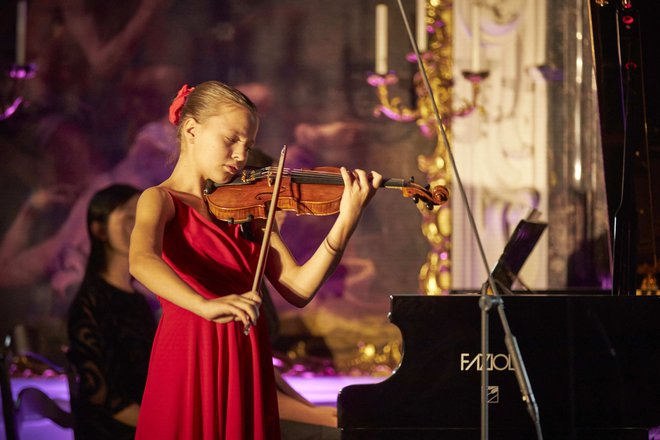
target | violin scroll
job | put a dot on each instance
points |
(431, 196)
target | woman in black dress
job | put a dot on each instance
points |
(111, 326)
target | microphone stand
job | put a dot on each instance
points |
(486, 301)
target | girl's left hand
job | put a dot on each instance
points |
(359, 188)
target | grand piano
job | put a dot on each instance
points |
(592, 357)
(593, 360)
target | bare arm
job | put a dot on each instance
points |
(299, 283)
(155, 208)
(293, 409)
(293, 406)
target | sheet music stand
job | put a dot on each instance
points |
(519, 246)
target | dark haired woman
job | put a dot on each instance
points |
(111, 326)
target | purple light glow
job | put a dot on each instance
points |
(395, 116)
(57, 388)
(320, 390)
(6, 114)
(278, 363)
(23, 72)
(323, 390)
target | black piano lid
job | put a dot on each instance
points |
(593, 362)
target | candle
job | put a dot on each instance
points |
(381, 39)
(422, 35)
(540, 35)
(476, 38)
(21, 27)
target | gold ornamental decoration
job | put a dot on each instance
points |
(437, 56)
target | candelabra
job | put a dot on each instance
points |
(434, 21)
(12, 98)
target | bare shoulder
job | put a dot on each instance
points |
(155, 209)
(155, 201)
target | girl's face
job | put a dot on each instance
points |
(120, 224)
(222, 143)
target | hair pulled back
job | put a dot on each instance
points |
(208, 98)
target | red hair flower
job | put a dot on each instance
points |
(177, 104)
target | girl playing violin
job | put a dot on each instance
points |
(207, 379)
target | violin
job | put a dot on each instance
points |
(315, 191)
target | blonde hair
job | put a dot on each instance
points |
(207, 100)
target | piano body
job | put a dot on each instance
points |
(593, 362)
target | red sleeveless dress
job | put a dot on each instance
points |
(206, 380)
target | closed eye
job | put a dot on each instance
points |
(236, 140)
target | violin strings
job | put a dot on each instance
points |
(321, 177)
(308, 176)
(327, 178)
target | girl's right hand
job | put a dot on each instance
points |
(244, 308)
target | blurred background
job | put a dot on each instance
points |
(336, 82)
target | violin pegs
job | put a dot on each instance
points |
(412, 179)
(429, 206)
(415, 199)
(427, 186)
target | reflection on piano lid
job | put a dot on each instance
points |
(592, 360)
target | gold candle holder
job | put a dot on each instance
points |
(435, 274)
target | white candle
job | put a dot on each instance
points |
(540, 33)
(21, 28)
(381, 39)
(422, 35)
(476, 37)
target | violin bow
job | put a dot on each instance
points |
(265, 242)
